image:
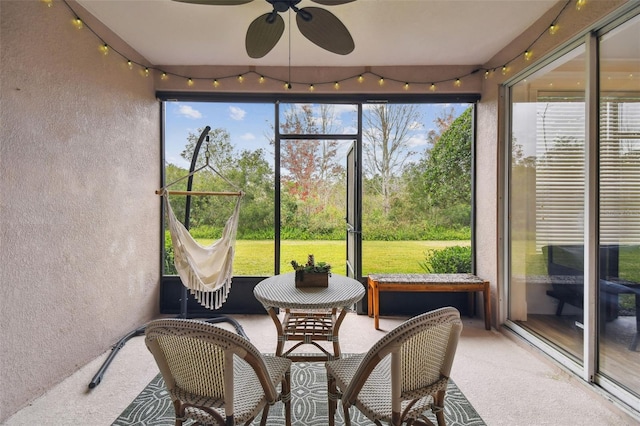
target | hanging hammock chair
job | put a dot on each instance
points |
(205, 270)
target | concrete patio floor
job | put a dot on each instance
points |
(506, 381)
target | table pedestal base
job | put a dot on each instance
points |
(308, 328)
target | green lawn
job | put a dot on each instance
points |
(255, 258)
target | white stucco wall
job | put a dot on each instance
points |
(79, 219)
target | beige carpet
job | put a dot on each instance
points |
(507, 383)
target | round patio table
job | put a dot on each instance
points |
(312, 314)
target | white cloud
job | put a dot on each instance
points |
(189, 112)
(416, 126)
(248, 137)
(237, 113)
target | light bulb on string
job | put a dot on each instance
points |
(553, 28)
(190, 82)
(49, 3)
(215, 83)
(261, 79)
(164, 76)
(457, 83)
(527, 55)
(504, 70)
(105, 49)
(360, 78)
(432, 87)
(381, 81)
(240, 78)
(311, 88)
(336, 85)
(77, 22)
(406, 86)
(486, 74)
(130, 64)
(580, 4)
(146, 72)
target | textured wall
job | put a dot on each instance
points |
(79, 221)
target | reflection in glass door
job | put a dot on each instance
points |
(547, 203)
(619, 170)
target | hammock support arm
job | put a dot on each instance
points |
(95, 381)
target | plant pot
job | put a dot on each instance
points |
(310, 279)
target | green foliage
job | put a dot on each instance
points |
(169, 265)
(442, 179)
(311, 266)
(450, 260)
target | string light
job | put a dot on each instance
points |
(49, 3)
(360, 77)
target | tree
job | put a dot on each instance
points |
(447, 174)
(218, 149)
(386, 145)
(312, 165)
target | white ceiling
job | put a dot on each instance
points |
(385, 32)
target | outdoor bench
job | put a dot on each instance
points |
(444, 283)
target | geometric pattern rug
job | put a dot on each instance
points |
(153, 407)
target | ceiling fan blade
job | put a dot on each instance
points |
(263, 35)
(216, 2)
(325, 30)
(332, 2)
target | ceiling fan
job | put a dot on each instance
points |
(318, 25)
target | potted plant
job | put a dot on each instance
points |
(311, 274)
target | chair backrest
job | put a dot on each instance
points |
(197, 357)
(422, 351)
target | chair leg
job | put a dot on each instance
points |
(347, 418)
(439, 403)
(265, 414)
(286, 393)
(179, 410)
(332, 392)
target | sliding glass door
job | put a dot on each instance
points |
(619, 193)
(573, 279)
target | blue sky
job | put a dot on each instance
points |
(249, 124)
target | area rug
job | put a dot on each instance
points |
(152, 407)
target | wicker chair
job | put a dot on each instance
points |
(403, 375)
(214, 376)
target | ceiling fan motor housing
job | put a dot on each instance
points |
(283, 5)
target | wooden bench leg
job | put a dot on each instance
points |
(376, 307)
